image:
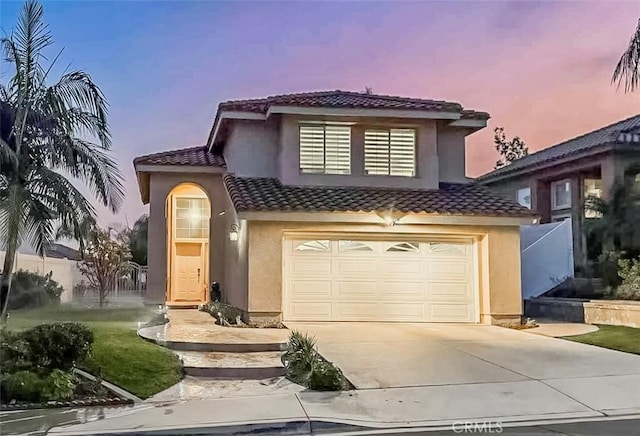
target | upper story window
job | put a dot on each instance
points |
(592, 188)
(523, 196)
(561, 194)
(325, 149)
(390, 152)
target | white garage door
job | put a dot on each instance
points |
(367, 280)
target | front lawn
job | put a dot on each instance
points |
(614, 337)
(119, 355)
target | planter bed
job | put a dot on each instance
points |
(88, 394)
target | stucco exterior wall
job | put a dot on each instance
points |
(161, 185)
(498, 272)
(452, 155)
(426, 156)
(252, 148)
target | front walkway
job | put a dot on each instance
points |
(559, 329)
(190, 326)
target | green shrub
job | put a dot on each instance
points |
(14, 352)
(629, 272)
(607, 268)
(305, 366)
(299, 357)
(58, 345)
(33, 290)
(325, 377)
(225, 311)
(21, 386)
(58, 386)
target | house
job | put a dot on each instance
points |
(555, 181)
(333, 206)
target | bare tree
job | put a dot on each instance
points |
(510, 150)
(104, 259)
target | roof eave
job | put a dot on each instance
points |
(224, 115)
(533, 167)
(373, 218)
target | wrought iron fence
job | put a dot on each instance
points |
(129, 289)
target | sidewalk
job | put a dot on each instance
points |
(430, 406)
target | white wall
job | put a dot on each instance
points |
(65, 271)
(547, 256)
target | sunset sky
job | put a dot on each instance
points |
(541, 69)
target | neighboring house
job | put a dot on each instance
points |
(555, 181)
(333, 206)
(59, 251)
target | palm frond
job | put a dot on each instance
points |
(31, 37)
(80, 102)
(627, 70)
(89, 163)
(12, 217)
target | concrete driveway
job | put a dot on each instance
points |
(390, 355)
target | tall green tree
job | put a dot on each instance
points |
(617, 223)
(137, 236)
(627, 72)
(510, 150)
(51, 136)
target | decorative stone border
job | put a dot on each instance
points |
(75, 403)
(607, 312)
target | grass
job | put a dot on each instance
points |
(620, 338)
(119, 355)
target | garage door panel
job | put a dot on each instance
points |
(355, 311)
(358, 289)
(368, 280)
(310, 311)
(449, 291)
(311, 289)
(299, 267)
(354, 267)
(413, 268)
(401, 290)
(448, 270)
(450, 312)
(403, 312)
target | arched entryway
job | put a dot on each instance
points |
(188, 217)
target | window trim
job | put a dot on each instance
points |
(555, 206)
(324, 154)
(389, 129)
(528, 188)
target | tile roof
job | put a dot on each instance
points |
(346, 99)
(610, 134)
(196, 156)
(268, 194)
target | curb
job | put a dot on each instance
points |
(118, 390)
(315, 426)
(297, 427)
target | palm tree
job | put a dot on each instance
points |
(628, 68)
(44, 146)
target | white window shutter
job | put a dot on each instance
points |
(390, 152)
(325, 149)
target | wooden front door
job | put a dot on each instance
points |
(189, 272)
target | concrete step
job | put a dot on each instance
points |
(247, 365)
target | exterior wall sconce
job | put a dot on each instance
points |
(233, 233)
(390, 216)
